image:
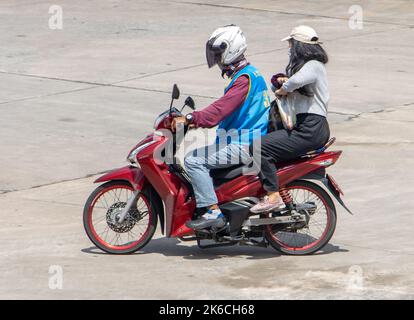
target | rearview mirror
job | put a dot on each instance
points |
(175, 92)
(189, 102)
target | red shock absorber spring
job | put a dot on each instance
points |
(286, 196)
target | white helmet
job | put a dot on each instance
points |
(225, 46)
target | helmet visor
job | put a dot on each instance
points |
(214, 52)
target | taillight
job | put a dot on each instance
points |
(325, 163)
(326, 159)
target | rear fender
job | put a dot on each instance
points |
(329, 183)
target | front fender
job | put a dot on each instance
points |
(128, 173)
(138, 181)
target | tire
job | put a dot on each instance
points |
(326, 202)
(135, 244)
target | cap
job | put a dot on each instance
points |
(303, 34)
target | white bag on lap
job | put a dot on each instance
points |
(286, 111)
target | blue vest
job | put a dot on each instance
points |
(249, 121)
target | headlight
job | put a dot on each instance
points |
(132, 157)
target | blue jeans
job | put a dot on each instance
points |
(199, 163)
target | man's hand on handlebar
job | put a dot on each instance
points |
(180, 121)
(176, 122)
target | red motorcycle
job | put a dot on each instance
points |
(121, 215)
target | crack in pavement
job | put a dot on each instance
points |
(160, 72)
(385, 109)
(47, 95)
(225, 6)
(94, 86)
(7, 191)
(352, 116)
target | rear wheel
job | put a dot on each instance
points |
(305, 238)
(100, 218)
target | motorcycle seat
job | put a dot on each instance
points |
(229, 172)
(223, 175)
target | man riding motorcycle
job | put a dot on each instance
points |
(241, 115)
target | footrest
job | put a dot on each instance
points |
(255, 243)
(215, 245)
(233, 238)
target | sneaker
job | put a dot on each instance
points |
(265, 206)
(213, 218)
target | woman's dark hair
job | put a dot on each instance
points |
(300, 53)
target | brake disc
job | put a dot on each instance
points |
(112, 216)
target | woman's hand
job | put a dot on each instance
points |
(282, 80)
(280, 92)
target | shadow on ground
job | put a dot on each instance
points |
(172, 248)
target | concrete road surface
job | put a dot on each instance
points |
(73, 101)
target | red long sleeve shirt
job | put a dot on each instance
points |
(223, 107)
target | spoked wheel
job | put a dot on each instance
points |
(102, 210)
(305, 237)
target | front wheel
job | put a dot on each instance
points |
(100, 218)
(320, 226)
